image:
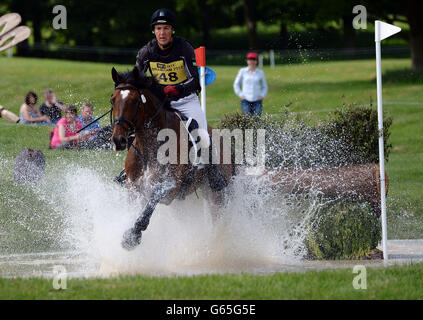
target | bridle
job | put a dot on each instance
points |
(140, 104)
(132, 126)
(120, 120)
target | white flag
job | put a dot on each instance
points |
(384, 30)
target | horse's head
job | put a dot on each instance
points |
(128, 105)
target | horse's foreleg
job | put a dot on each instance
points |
(132, 237)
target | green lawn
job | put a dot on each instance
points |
(309, 87)
(381, 283)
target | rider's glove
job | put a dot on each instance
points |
(170, 90)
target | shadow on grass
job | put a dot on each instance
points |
(403, 76)
(396, 76)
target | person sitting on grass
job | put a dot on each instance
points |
(65, 134)
(100, 138)
(86, 117)
(52, 107)
(29, 113)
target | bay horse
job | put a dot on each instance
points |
(139, 107)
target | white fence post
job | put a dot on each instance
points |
(272, 58)
(260, 61)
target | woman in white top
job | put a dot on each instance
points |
(254, 86)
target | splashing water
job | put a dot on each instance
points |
(181, 238)
(77, 216)
(79, 211)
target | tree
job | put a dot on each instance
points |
(204, 15)
(407, 11)
(340, 11)
(251, 22)
(34, 12)
(206, 21)
(286, 12)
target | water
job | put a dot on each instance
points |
(76, 218)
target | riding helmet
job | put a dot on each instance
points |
(163, 16)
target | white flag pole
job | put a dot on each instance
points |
(200, 57)
(381, 150)
(203, 88)
(382, 31)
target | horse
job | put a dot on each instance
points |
(139, 107)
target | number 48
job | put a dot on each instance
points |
(171, 76)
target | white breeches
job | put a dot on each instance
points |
(190, 107)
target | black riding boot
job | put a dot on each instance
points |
(216, 179)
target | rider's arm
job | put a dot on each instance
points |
(142, 60)
(192, 84)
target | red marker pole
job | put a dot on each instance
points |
(200, 57)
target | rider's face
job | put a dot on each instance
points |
(163, 33)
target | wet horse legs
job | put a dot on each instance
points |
(132, 237)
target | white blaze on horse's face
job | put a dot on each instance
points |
(124, 94)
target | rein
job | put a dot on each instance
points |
(133, 126)
(110, 111)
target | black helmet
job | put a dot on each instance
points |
(163, 16)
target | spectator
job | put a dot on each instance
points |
(254, 86)
(65, 134)
(86, 117)
(29, 113)
(51, 107)
(99, 138)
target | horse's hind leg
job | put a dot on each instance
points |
(132, 237)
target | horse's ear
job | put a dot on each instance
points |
(135, 73)
(115, 75)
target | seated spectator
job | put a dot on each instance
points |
(86, 117)
(65, 134)
(29, 113)
(99, 138)
(51, 107)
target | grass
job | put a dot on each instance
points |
(309, 89)
(381, 283)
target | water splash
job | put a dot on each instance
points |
(78, 209)
(252, 233)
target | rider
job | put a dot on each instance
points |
(169, 59)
